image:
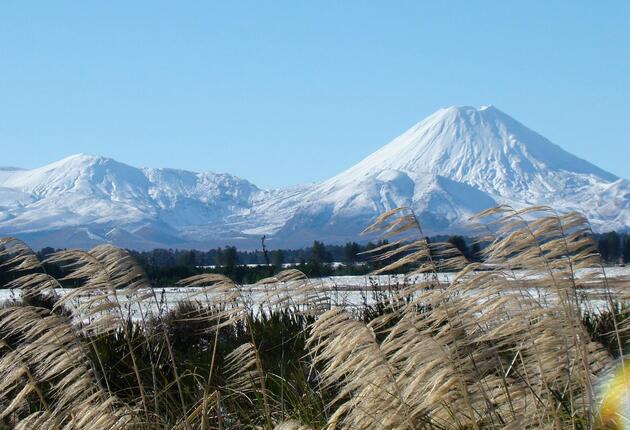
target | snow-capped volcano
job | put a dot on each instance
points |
(484, 148)
(453, 164)
(459, 161)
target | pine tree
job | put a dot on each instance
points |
(350, 251)
(230, 257)
(614, 246)
(277, 258)
(318, 253)
(460, 243)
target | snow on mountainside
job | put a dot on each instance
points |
(487, 149)
(96, 199)
(453, 164)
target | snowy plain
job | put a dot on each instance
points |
(352, 292)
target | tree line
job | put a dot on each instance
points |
(166, 266)
(614, 247)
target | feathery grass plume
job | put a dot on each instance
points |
(39, 289)
(46, 377)
(490, 348)
(351, 359)
(99, 307)
(291, 288)
(242, 358)
(555, 246)
(232, 302)
(35, 284)
(248, 378)
(242, 366)
(16, 255)
(411, 250)
(112, 287)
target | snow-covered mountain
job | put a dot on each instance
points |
(83, 199)
(453, 164)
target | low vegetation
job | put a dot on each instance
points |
(492, 347)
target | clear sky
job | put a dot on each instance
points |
(291, 92)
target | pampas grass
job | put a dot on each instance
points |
(517, 341)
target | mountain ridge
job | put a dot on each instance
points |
(447, 167)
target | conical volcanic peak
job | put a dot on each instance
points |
(485, 148)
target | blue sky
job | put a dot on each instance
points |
(291, 92)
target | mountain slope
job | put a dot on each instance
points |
(453, 164)
(487, 149)
(108, 200)
(461, 160)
